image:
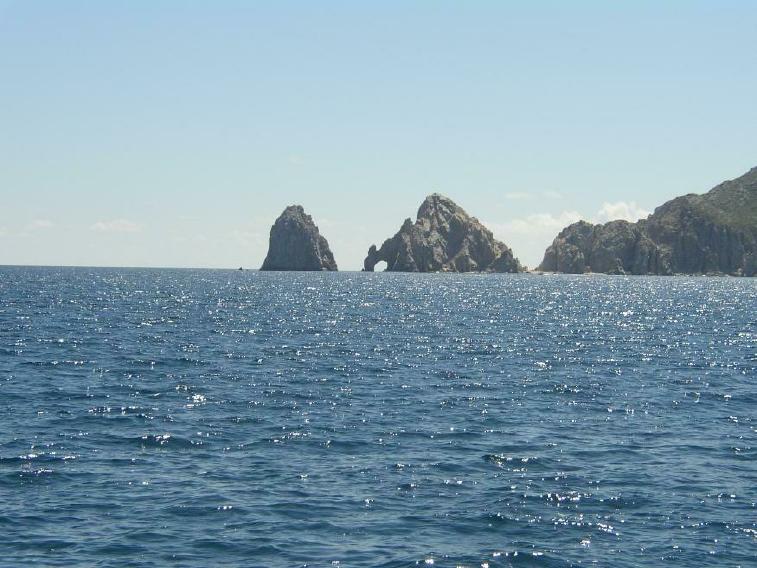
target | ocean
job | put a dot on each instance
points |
(158, 417)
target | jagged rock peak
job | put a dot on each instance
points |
(714, 233)
(444, 238)
(296, 244)
(438, 205)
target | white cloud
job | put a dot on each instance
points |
(116, 226)
(625, 210)
(538, 224)
(39, 224)
(530, 236)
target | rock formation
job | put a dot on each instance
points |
(714, 233)
(296, 244)
(444, 238)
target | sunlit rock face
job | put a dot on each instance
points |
(444, 238)
(714, 233)
(296, 244)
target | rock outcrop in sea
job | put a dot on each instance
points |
(444, 238)
(713, 233)
(296, 244)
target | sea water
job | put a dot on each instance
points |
(226, 418)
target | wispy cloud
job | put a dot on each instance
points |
(115, 226)
(3, 231)
(538, 223)
(195, 239)
(247, 237)
(325, 223)
(39, 224)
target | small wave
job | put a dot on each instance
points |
(166, 440)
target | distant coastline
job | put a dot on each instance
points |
(712, 234)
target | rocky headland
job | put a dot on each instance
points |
(296, 244)
(444, 238)
(713, 233)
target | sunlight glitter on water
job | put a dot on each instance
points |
(382, 419)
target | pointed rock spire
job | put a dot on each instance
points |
(296, 244)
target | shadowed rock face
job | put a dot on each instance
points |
(617, 247)
(296, 244)
(714, 233)
(444, 238)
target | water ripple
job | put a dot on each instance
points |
(194, 418)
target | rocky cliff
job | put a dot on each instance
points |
(714, 233)
(296, 244)
(444, 238)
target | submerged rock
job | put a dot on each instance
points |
(296, 244)
(444, 238)
(714, 233)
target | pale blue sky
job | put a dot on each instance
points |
(172, 133)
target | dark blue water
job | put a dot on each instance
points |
(222, 418)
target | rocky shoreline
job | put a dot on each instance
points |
(713, 233)
(710, 234)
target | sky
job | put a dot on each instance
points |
(173, 133)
